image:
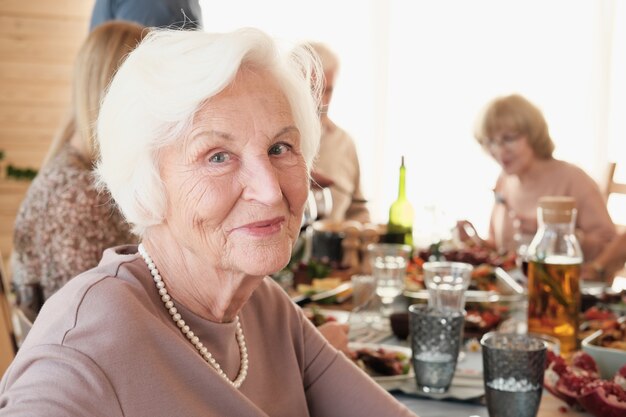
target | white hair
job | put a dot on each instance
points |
(159, 88)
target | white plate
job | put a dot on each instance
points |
(391, 348)
(340, 316)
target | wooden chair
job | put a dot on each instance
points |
(612, 186)
(7, 337)
(21, 325)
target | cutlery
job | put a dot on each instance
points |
(310, 298)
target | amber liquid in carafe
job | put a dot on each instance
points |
(554, 301)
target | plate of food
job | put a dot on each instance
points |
(321, 316)
(384, 363)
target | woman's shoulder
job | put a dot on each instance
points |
(565, 167)
(63, 178)
(567, 171)
(97, 298)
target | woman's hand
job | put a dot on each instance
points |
(591, 271)
(525, 225)
(336, 334)
(468, 234)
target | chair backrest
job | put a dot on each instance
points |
(612, 186)
(616, 205)
(21, 325)
(7, 337)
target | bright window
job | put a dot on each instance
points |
(415, 73)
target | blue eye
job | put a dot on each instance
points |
(219, 157)
(279, 149)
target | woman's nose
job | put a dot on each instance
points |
(261, 182)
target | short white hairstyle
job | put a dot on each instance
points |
(159, 88)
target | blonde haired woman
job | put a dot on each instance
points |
(64, 223)
(515, 133)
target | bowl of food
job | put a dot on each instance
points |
(607, 347)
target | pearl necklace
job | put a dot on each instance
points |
(184, 328)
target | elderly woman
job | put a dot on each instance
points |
(206, 143)
(514, 132)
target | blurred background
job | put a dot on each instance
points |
(413, 77)
(415, 74)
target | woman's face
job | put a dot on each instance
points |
(512, 151)
(236, 185)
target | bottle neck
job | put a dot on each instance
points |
(402, 185)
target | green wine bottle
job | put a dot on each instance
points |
(401, 214)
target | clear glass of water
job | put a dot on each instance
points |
(388, 262)
(513, 368)
(446, 283)
(436, 339)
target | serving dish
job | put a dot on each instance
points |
(506, 290)
(609, 360)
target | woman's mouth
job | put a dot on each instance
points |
(263, 228)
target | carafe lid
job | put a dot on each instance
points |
(557, 209)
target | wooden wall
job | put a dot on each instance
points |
(38, 42)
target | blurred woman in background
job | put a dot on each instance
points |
(514, 132)
(64, 223)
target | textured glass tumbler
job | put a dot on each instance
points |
(436, 339)
(513, 367)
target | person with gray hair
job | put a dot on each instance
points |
(206, 142)
(337, 162)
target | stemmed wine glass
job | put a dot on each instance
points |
(389, 262)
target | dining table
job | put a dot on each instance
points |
(550, 407)
(424, 406)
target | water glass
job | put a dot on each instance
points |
(388, 262)
(363, 289)
(446, 283)
(513, 367)
(436, 338)
(364, 311)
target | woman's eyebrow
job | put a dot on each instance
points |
(287, 129)
(211, 133)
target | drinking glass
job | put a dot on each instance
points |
(388, 261)
(513, 367)
(446, 283)
(364, 311)
(436, 338)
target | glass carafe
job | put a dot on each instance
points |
(554, 260)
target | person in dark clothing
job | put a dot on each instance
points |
(184, 14)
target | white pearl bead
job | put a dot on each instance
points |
(169, 304)
(176, 316)
(166, 298)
